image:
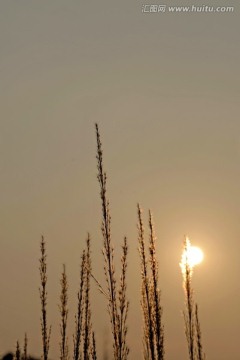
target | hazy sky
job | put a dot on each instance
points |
(164, 89)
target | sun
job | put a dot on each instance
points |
(195, 255)
(192, 255)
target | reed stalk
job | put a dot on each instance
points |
(117, 320)
(63, 308)
(77, 337)
(46, 333)
(146, 303)
(155, 294)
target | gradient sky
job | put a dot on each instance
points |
(164, 89)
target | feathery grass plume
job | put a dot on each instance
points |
(200, 353)
(146, 301)
(108, 254)
(63, 308)
(155, 295)
(17, 355)
(43, 297)
(191, 317)
(84, 346)
(123, 304)
(189, 301)
(87, 326)
(25, 348)
(79, 316)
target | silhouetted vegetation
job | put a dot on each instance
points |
(84, 343)
(191, 318)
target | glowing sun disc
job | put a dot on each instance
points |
(192, 255)
(195, 255)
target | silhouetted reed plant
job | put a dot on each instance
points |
(89, 343)
(77, 337)
(25, 348)
(117, 302)
(115, 292)
(63, 308)
(46, 333)
(153, 339)
(200, 354)
(17, 355)
(191, 318)
(84, 337)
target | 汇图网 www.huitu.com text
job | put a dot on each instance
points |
(147, 8)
